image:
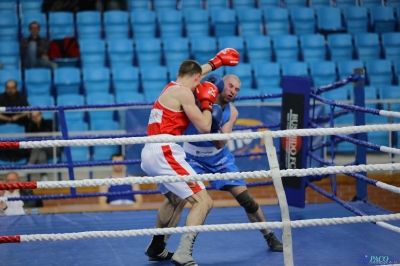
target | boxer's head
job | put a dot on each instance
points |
(232, 86)
(189, 72)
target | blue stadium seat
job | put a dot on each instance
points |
(120, 52)
(223, 21)
(138, 5)
(258, 48)
(329, 19)
(298, 69)
(276, 21)
(249, 21)
(394, 3)
(238, 4)
(191, 4)
(267, 75)
(203, 48)
(72, 99)
(271, 90)
(61, 25)
(338, 94)
(303, 20)
(78, 154)
(143, 23)
(31, 5)
(249, 92)
(176, 50)
(96, 79)
(7, 74)
(9, 54)
(173, 70)
(43, 100)
(101, 126)
(67, 80)
(164, 4)
(28, 17)
(88, 24)
(8, 6)
(367, 46)
(125, 78)
(116, 24)
(391, 45)
(268, 3)
(346, 3)
(151, 96)
(216, 4)
(356, 19)
(12, 128)
(340, 46)
(128, 97)
(154, 78)
(345, 68)
(320, 3)
(286, 48)
(244, 72)
(370, 3)
(92, 52)
(8, 27)
(148, 51)
(235, 42)
(103, 153)
(371, 93)
(312, 47)
(38, 81)
(323, 73)
(170, 23)
(100, 98)
(396, 64)
(379, 72)
(389, 92)
(196, 22)
(295, 3)
(382, 19)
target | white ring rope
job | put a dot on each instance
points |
(227, 176)
(207, 228)
(205, 137)
(389, 226)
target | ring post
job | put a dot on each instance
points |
(67, 149)
(359, 120)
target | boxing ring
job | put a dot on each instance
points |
(339, 233)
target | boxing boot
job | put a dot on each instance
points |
(183, 255)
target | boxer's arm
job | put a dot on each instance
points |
(205, 70)
(227, 128)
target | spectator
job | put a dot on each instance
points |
(11, 98)
(40, 155)
(118, 171)
(34, 49)
(12, 177)
(10, 207)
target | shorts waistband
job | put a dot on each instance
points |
(200, 151)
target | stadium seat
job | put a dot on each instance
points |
(249, 21)
(239, 4)
(88, 24)
(323, 73)
(28, 17)
(370, 3)
(120, 52)
(138, 5)
(176, 50)
(92, 52)
(340, 47)
(61, 25)
(312, 47)
(223, 21)
(303, 20)
(43, 100)
(329, 19)
(203, 48)
(7, 74)
(382, 19)
(125, 79)
(367, 46)
(148, 51)
(143, 23)
(78, 154)
(116, 24)
(298, 69)
(268, 3)
(267, 75)
(196, 22)
(128, 97)
(8, 6)
(100, 98)
(12, 128)
(396, 64)
(103, 153)
(379, 72)
(286, 48)
(170, 23)
(31, 5)
(295, 3)
(248, 92)
(338, 94)
(235, 42)
(244, 72)
(320, 3)
(216, 4)
(9, 54)
(164, 4)
(8, 27)
(154, 78)
(72, 99)
(258, 48)
(96, 79)
(191, 4)
(271, 90)
(345, 3)
(151, 96)
(389, 92)
(101, 126)
(67, 80)
(356, 19)
(276, 21)
(391, 45)
(38, 81)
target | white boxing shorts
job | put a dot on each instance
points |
(169, 159)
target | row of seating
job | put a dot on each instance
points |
(192, 22)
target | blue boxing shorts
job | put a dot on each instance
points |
(221, 161)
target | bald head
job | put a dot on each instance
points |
(12, 177)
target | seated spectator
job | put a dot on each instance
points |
(34, 49)
(12, 177)
(12, 98)
(40, 155)
(10, 207)
(118, 171)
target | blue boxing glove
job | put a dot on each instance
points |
(216, 119)
(217, 81)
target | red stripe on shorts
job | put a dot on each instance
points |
(178, 168)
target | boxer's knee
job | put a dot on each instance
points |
(247, 202)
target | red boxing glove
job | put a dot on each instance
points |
(226, 57)
(206, 93)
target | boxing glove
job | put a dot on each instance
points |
(216, 118)
(217, 81)
(226, 57)
(206, 93)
